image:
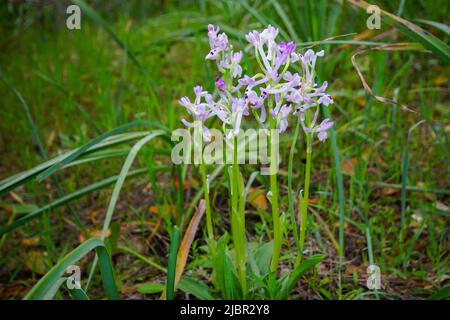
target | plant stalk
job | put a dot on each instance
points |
(290, 191)
(238, 219)
(209, 224)
(277, 232)
(305, 198)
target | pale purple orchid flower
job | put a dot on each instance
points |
(254, 38)
(323, 128)
(212, 35)
(199, 111)
(270, 33)
(290, 92)
(236, 58)
(325, 100)
(281, 114)
(238, 109)
(309, 63)
(220, 84)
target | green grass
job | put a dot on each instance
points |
(79, 98)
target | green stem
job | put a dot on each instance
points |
(238, 219)
(277, 232)
(290, 191)
(304, 200)
(209, 224)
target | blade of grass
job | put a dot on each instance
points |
(123, 174)
(16, 180)
(441, 294)
(404, 178)
(305, 266)
(118, 187)
(66, 199)
(46, 283)
(77, 153)
(279, 9)
(440, 26)
(195, 288)
(340, 185)
(40, 145)
(141, 257)
(80, 108)
(171, 268)
(94, 16)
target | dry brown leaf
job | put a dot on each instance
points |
(94, 234)
(385, 47)
(93, 216)
(14, 291)
(168, 208)
(428, 196)
(389, 191)
(8, 209)
(30, 242)
(366, 34)
(16, 197)
(348, 167)
(441, 80)
(257, 198)
(153, 210)
(189, 236)
(361, 101)
(185, 185)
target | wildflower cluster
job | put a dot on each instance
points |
(274, 92)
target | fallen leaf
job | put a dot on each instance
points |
(361, 101)
(185, 184)
(94, 234)
(30, 242)
(189, 236)
(93, 216)
(257, 198)
(348, 167)
(14, 291)
(427, 195)
(389, 191)
(441, 80)
(168, 208)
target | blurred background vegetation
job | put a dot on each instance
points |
(80, 83)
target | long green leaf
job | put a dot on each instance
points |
(21, 178)
(47, 282)
(61, 201)
(441, 294)
(118, 186)
(340, 186)
(74, 155)
(404, 180)
(440, 26)
(196, 288)
(301, 269)
(172, 265)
